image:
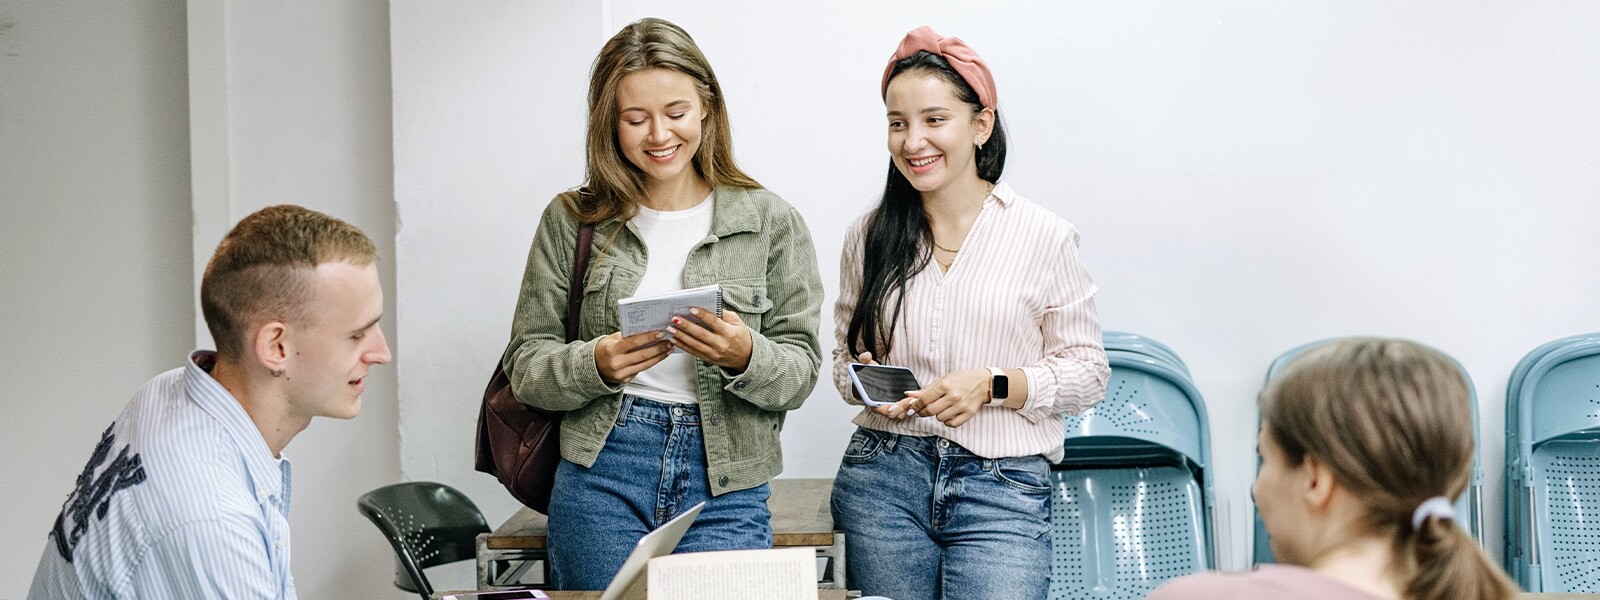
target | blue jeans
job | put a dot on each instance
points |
(926, 519)
(653, 468)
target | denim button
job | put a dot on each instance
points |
(944, 443)
(677, 411)
(716, 419)
(722, 481)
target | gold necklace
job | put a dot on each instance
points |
(936, 245)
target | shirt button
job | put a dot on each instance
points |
(722, 481)
(716, 419)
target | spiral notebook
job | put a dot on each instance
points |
(654, 313)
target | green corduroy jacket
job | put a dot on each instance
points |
(759, 251)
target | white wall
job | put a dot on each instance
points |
(94, 241)
(290, 104)
(486, 99)
(1247, 176)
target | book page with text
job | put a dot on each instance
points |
(780, 574)
(654, 313)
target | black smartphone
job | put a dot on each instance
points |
(882, 384)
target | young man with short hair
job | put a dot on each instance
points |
(187, 493)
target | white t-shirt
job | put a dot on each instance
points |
(669, 236)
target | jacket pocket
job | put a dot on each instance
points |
(594, 319)
(749, 300)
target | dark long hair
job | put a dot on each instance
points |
(899, 240)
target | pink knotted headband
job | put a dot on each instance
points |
(962, 58)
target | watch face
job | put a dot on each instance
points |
(999, 386)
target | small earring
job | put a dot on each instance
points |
(277, 373)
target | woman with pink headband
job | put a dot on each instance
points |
(981, 293)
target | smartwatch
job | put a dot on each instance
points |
(999, 384)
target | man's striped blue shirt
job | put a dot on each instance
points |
(181, 498)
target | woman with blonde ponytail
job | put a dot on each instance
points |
(1363, 442)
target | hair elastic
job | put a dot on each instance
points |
(1437, 507)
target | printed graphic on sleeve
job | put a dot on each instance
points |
(93, 492)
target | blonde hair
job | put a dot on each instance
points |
(614, 185)
(1391, 419)
(262, 270)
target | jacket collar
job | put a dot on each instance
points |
(732, 212)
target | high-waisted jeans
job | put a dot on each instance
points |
(653, 468)
(926, 519)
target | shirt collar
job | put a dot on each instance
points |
(268, 477)
(1003, 192)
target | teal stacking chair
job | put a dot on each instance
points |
(1516, 535)
(1469, 505)
(1133, 501)
(1133, 342)
(1553, 468)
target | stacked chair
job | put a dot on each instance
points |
(1132, 502)
(1552, 541)
(1469, 505)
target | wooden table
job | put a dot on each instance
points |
(800, 518)
(821, 595)
(831, 594)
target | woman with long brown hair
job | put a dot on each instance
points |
(1363, 442)
(650, 432)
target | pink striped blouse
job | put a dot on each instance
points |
(1016, 296)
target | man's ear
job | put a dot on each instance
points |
(272, 346)
(1319, 484)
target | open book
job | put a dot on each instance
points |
(779, 574)
(654, 313)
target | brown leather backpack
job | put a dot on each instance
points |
(519, 444)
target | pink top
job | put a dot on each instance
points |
(1266, 582)
(1016, 296)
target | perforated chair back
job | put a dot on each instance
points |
(1553, 480)
(1518, 532)
(427, 524)
(1469, 506)
(1132, 504)
(1147, 400)
(1120, 533)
